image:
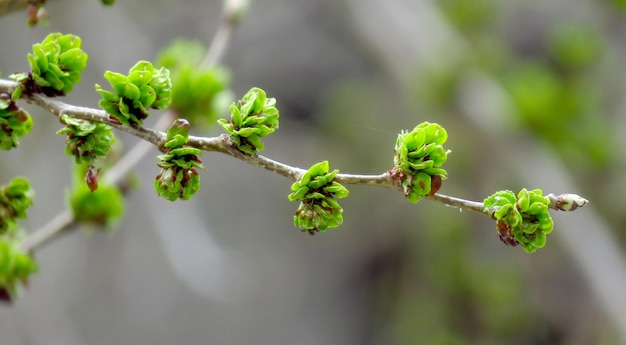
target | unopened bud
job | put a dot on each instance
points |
(568, 202)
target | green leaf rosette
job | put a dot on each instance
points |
(55, 65)
(318, 194)
(418, 157)
(86, 140)
(521, 220)
(253, 117)
(15, 199)
(179, 178)
(133, 95)
(14, 122)
(15, 268)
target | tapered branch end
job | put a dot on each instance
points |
(567, 202)
(235, 10)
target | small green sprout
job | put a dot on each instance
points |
(253, 117)
(56, 65)
(133, 95)
(418, 157)
(179, 178)
(86, 140)
(14, 122)
(521, 220)
(318, 194)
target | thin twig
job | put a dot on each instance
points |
(59, 108)
(63, 221)
(461, 204)
(231, 15)
(210, 144)
(223, 145)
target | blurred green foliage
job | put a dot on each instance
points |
(102, 207)
(199, 93)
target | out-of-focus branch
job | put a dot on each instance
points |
(231, 16)
(8, 6)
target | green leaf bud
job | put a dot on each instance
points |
(418, 157)
(133, 95)
(86, 140)
(318, 192)
(521, 220)
(15, 122)
(15, 199)
(253, 117)
(179, 178)
(56, 65)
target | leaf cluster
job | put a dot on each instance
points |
(86, 140)
(523, 219)
(15, 122)
(133, 95)
(253, 117)
(56, 64)
(418, 158)
(15, 199)
(318, 194)
(179, 178)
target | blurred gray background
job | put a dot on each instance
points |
(228, 267)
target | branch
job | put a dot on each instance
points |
(63, 221)
(223, 145)
(8, 6)
(59, 108)
(231, 16)
(214, 144)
